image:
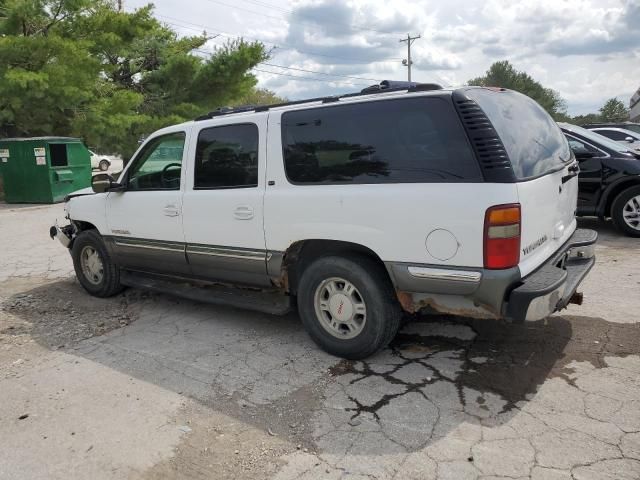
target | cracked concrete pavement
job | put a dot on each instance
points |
(147, 387)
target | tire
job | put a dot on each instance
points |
(105, 282)
(372, 288)
(627, 203)
(104, 165)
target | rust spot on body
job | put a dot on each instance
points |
(406, 301)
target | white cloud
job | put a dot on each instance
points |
(588, 50)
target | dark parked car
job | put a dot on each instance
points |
(634, 127)
(609, 181)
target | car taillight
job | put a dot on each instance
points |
(502, 236)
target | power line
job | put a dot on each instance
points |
(206, 52)
(280, 17)
(282, 46)
(270, 5)
(319, 73)
(298, 77)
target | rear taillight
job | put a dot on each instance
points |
(502, 236)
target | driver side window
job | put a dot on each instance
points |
(159, 164)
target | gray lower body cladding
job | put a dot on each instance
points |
(483, 293)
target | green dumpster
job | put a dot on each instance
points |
(43, 169)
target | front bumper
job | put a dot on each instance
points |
(553, 286)
(63, 234)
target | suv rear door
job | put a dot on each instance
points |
(545, 171)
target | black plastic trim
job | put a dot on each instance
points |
(487, 145)
(555, 274)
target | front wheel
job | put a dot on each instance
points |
(625, 212)
(94, 268)
(348, 306)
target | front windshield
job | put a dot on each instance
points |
(597, 138)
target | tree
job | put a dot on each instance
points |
(259, 96)
(585, 119)
(82, 68)
(44, 77)
(614, 111)
(503, 74)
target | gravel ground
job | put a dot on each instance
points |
(141, 386)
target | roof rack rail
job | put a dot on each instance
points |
(383, 86)
(393, 85)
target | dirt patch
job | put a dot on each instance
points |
(220, 447)
(61, 313)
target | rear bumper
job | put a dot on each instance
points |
(483, 293)
(553, 286)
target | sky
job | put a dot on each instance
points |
(587, 50)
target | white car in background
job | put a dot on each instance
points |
(104, 162)
(621, 135)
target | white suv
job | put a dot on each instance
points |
(351, 208)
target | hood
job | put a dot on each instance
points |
(79, 193)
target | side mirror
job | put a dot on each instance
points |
(103, 182)
(629, 139)
(583, 154)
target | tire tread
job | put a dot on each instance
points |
(111, 286)
(616, 211)
(358, 265)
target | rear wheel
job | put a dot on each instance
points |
(348, 306)
(104, 165)
(95, 270)
(625, 211)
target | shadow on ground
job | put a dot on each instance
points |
(438, 373)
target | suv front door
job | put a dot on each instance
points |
(223, 202)
(145, 219)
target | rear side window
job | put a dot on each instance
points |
(416, 140)
(533, 140)
(227, 157)
(612, 134)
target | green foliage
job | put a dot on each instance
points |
(503, 74)
(258, 96)
(81, 68)
(614, 111)
(585, 119)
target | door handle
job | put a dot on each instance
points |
(171, 211)
(243, 212)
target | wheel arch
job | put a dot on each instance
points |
(610, 194)
(302, 253)
(81, 225)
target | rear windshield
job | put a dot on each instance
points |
(416, 140)
(534, 142)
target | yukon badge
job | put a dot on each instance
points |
(532, 246)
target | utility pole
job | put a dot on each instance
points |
(407, 61)
(120, 5)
